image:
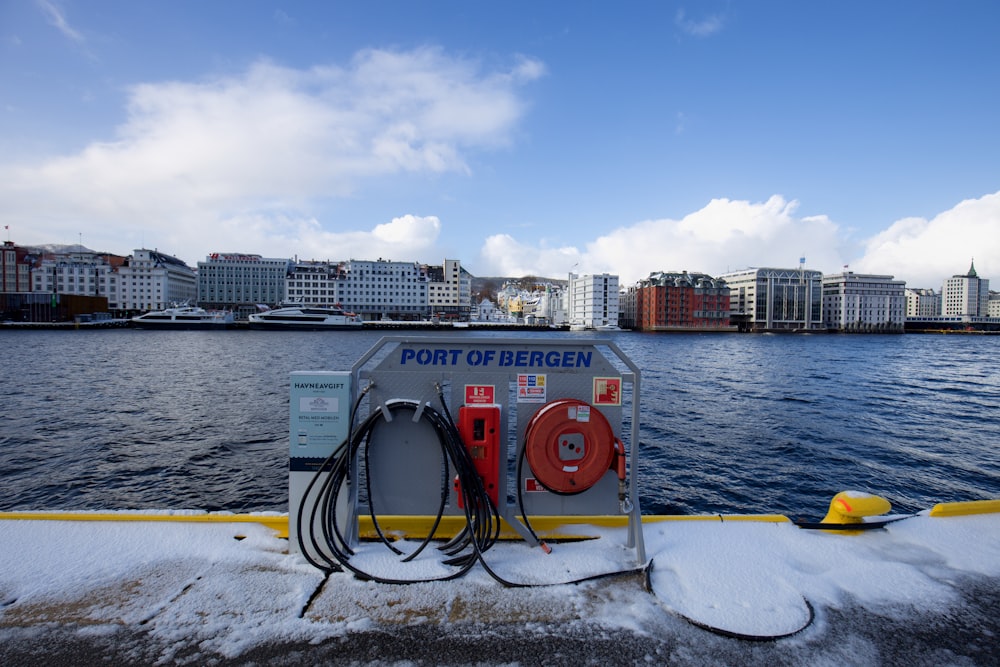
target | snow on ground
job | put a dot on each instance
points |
(192, 591)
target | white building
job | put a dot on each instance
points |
(486, 311)
(374, 289)
(863, 303)
(449, 290)
(231, 280)
(383, 289)
(776, 299)
(965, 295)
(150, 280)
(312, 283)
(922, 303)
(83, 273)
(993, 305)
(551, 305)
(592, 301)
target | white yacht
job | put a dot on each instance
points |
(183, 317)
(299, 316)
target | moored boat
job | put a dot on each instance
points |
(302, 317)
(183, 317)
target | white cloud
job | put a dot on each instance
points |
(699, 28)
(409, 230)
(406, 238)
(727, 235)
(528, 69)
(724, 235)
(243, 160)
(925, 252)
(503, 255)
(58, 19)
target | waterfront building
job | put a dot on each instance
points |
(15, 269)
(592, 301)
(82, 273)
(965, 295)
(449, 290)
(774, 299)
(550, 305)
(515, 305)
(240, 282)
(17, 302)
(529, 306)
(854, 302)
(993, 305)
(668, 301)
(627, 313)
(509, 298)
(965, 306)
(922, 303)
(541, 304)
(487, 311)
(379, 289)
(383, 289)
(151, 280)
(312, 283)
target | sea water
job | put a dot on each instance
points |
(729, 423)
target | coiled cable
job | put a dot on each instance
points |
(482, 525)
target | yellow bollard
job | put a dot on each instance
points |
(853, 506)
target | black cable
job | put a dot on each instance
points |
(482, 519)
(520, 499)
(724, 632)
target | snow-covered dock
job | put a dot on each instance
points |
(923, 590)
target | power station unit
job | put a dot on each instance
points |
(461, 432)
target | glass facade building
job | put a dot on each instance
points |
(776, 299)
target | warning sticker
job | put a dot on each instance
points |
(479, 394)
(530, 387)
(531, 485)
(607, 391)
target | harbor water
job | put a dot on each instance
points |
(127, 419)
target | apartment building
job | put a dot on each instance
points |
(854, 302)
(592, 301)
(922, 303)
(679, 300)
(449, 290)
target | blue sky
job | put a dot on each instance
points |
(518, 137)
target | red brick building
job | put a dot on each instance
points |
(682, 301)
(15, 269)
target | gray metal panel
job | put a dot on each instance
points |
(405, 466)
(406, 463)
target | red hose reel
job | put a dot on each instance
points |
(570, 445)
